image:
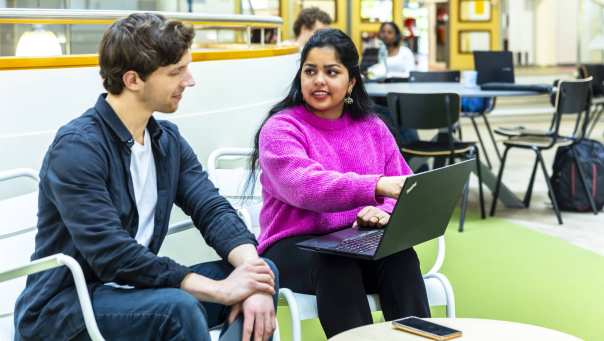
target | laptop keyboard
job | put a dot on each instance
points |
(364, 244)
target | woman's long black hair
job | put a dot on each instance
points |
(347, 54)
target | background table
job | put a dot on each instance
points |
(507, 197)
(472, 329)
(382, 89)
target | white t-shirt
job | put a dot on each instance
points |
(399, 65)
(144, 182)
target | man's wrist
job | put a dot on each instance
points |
(242, 253)
(203, 288)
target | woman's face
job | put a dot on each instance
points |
(388, 35)
(325, 82)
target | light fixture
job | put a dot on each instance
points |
(38, 43)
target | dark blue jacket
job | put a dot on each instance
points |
(87, 210)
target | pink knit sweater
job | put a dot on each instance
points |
(317, 173)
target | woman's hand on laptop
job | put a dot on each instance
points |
(371, 217)
(390, 186)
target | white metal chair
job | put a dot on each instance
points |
(231, 183)
(17, 242)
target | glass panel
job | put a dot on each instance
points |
(376, 10)
(26, 40)
(475, 10)
(474, 41)
(261, 7)
(328, 6)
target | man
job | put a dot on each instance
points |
(308, 22)
(107, 186)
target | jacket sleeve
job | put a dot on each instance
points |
(302, 182)
(75, 181)
(211, 213)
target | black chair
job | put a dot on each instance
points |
(572, 97)
(489, 104)
(370, 57)
(435, 111)
(596, 71)
(434, 76)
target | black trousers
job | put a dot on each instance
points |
(341, 284)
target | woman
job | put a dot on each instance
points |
(328, 162)
(399, 60)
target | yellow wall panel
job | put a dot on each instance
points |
(465, 61)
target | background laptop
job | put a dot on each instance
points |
(496, 72)
(421, 213)
(494, 66)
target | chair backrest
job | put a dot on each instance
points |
(434, 76)
(17, 242)
(232, 180)
(424, 111)
(596, 71)
(370, 57)
(573, 97)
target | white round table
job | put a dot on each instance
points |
(472, 329)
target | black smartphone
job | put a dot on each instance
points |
(425, 328)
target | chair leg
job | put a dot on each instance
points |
(584, 183)
(529, 190)
(480, 193)
(464, 205)
(549, 187)
(498, 185)
(484, 150)
(486, 122)
(597, 115)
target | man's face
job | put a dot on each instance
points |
(164, 87)
(306, 33)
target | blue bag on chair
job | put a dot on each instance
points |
(475, 104)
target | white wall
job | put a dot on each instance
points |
(521, 32)
(566, 31)
(556, 31)
(223, 109)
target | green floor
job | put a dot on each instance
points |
(499, 270)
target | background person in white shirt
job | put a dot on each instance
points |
(399, 60)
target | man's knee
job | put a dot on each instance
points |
(182, 304)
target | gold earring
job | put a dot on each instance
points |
(348, 100)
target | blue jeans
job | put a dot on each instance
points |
(161, 313)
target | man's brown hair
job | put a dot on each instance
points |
(141, 42)
(308, 17)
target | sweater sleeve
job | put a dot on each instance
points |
(293, 177)
(395, 164)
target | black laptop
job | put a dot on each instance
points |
(496, 72)
(422, 212)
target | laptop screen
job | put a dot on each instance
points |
(494, 66)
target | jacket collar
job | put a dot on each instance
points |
(109, 116)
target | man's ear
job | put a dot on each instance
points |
(132, 81)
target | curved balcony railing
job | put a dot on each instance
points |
(47, 38)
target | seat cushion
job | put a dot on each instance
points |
(519, 130)
(430, 148)
(534, 141)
